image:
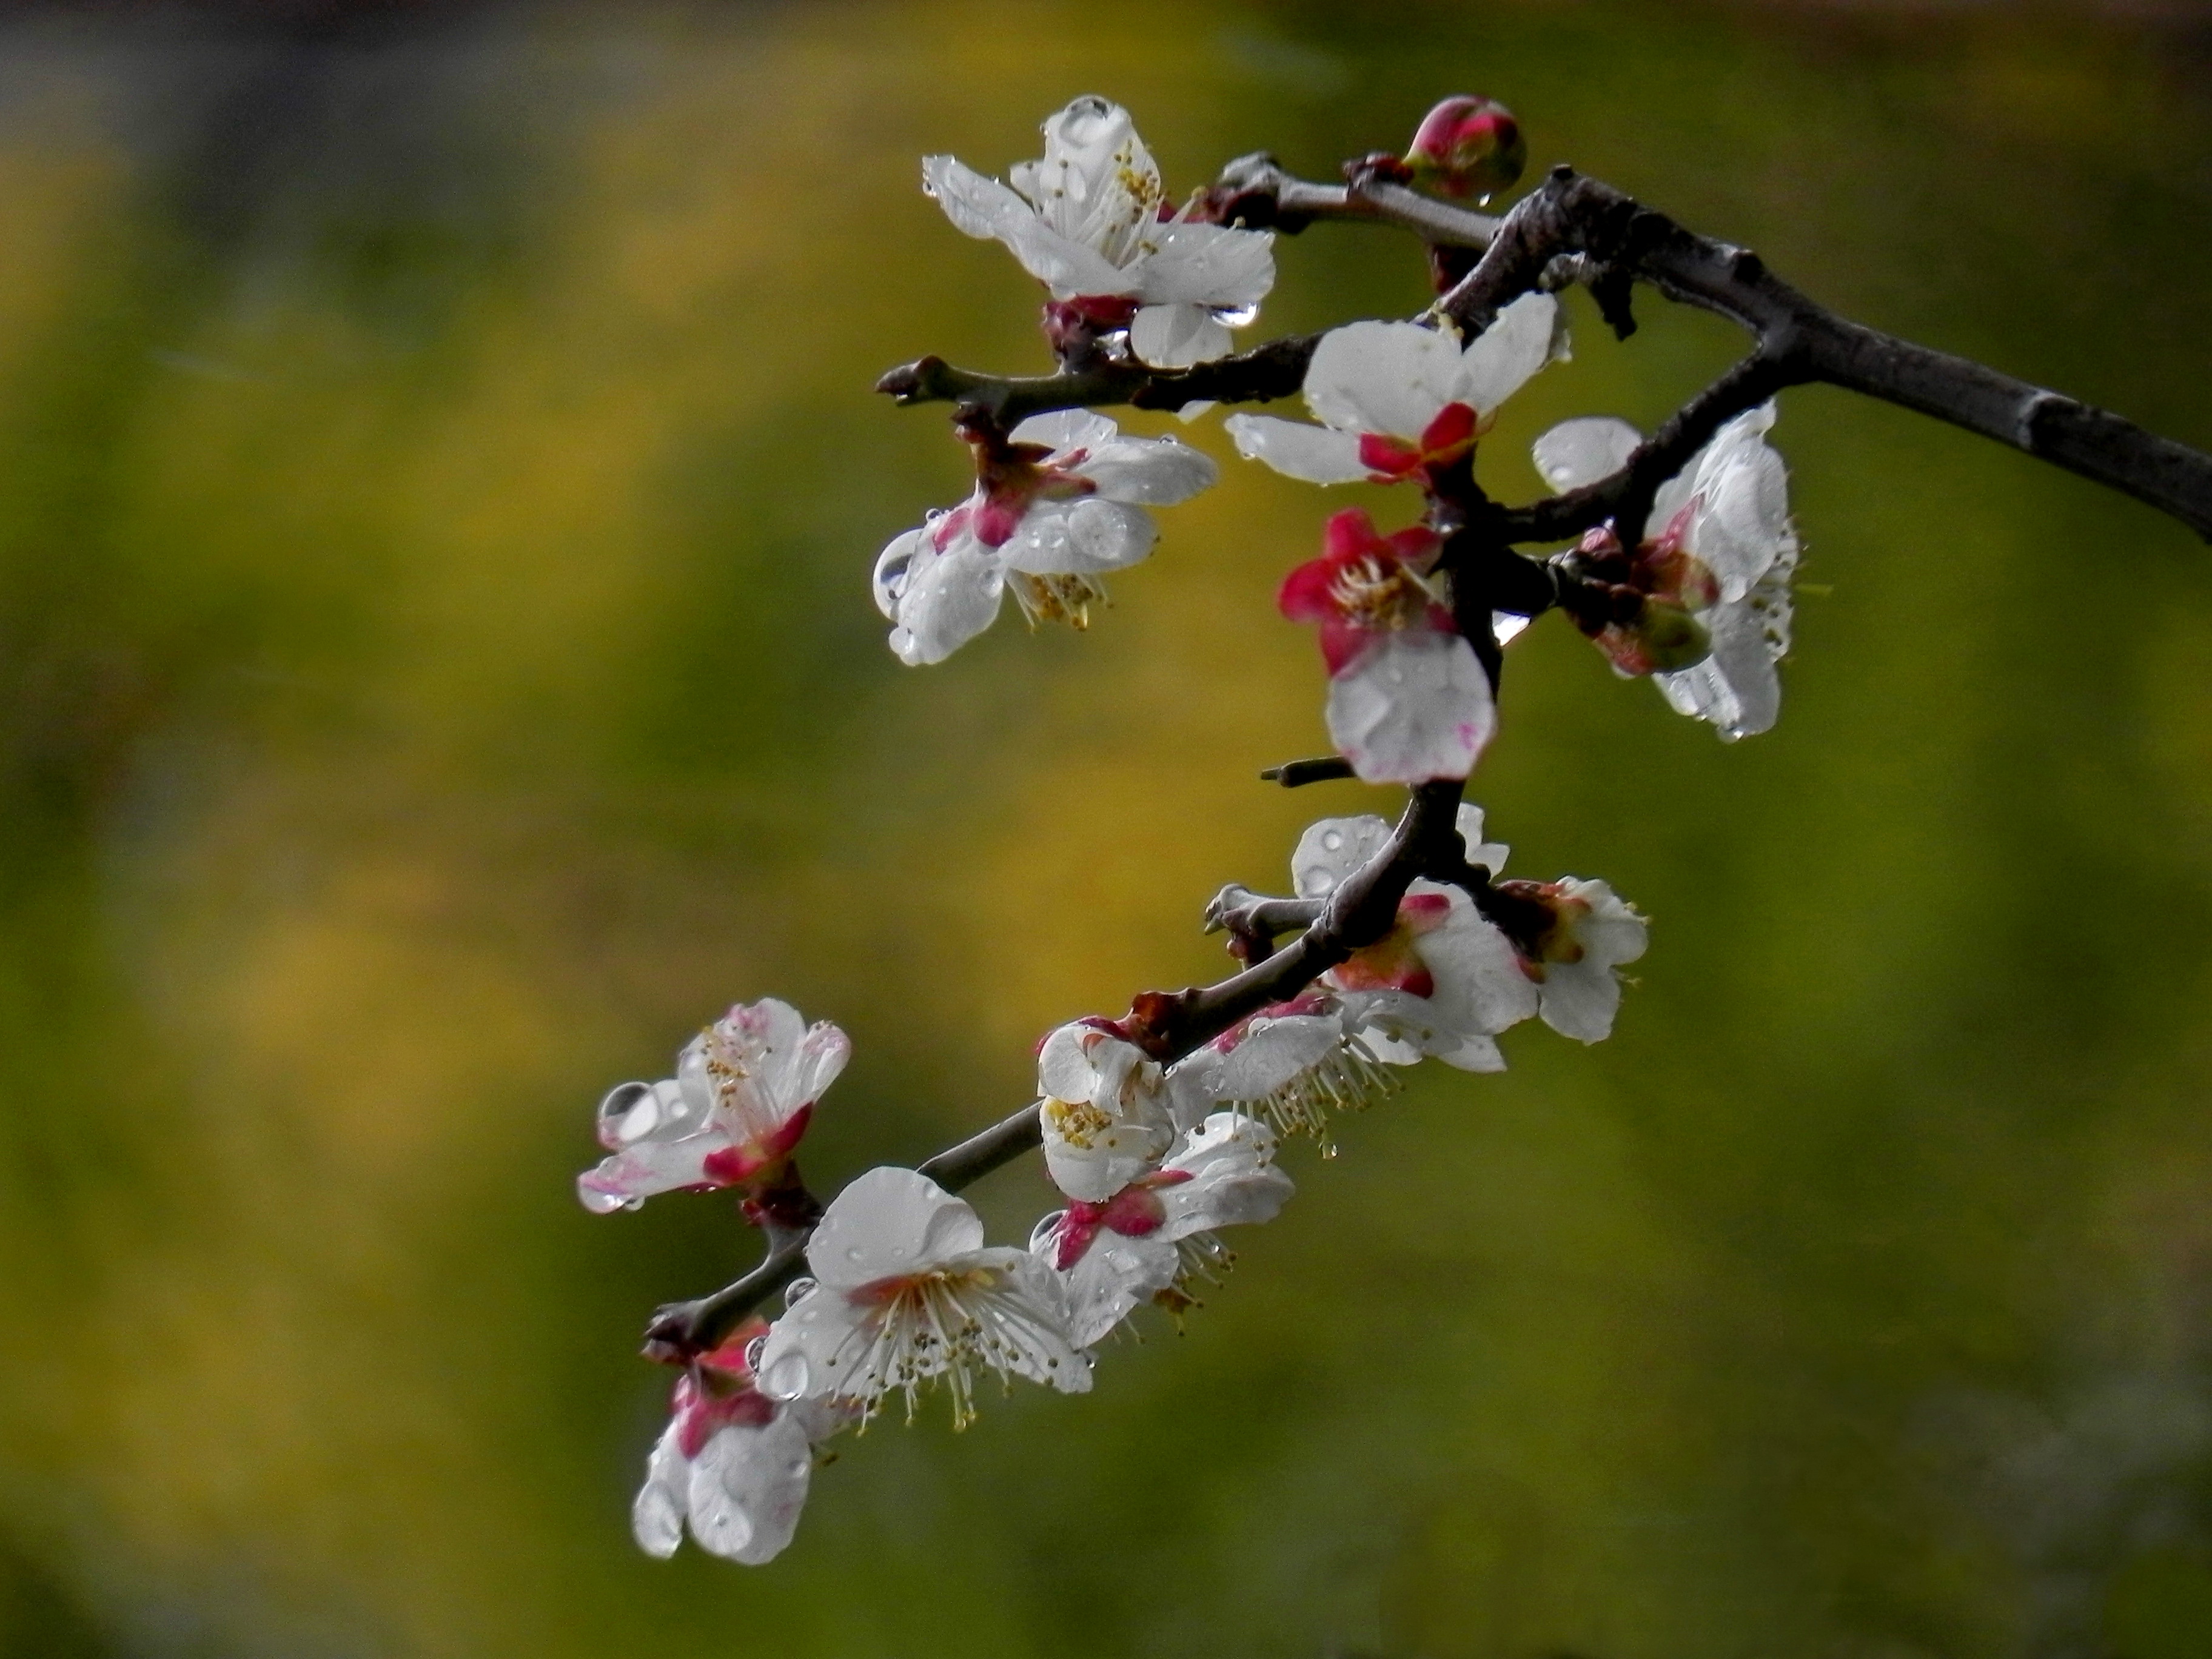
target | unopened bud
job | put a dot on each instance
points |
(1468, 146)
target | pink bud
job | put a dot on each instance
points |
(1468, 146)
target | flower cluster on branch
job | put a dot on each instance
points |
(1162, 1126)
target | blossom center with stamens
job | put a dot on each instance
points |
(1381, 595)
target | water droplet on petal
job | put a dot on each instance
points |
(1333, 839)
(786, 1378)
(753, 1354)
(797, 1291)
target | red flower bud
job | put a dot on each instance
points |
(1468, 147)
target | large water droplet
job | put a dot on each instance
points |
(1333, 840)
(753, 1354)
(797, 1291)
(786, 1378)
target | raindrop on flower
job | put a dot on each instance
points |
(786, 1378)
(797, 1291)
(753, 1354)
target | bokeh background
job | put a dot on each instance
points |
(438, 483)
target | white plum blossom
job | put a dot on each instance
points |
(1724, 520)
(744, 1091)
(1090, 221)
(1400, 400)
(1104, 1109)
(1150, 1238)
(733, 1465)
(1290, 1062)
(1593, 930)
(905, 1293)
(1444, 981)
(1408, 700)
(1058, 502)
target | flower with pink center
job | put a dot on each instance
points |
(1293, 1063)
(1444, 981)
(1057, 504)
(1104, 1109)
(1402, 400)
(1091, 221)
(1724, 552)
(1408, 700)
(1576, 959)
(1146, 1241)
(906, 1294)
(744, 1091)
(733, 1465)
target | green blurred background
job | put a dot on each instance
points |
(438, 483)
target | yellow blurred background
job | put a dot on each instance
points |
(438, 486)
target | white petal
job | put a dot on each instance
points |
(1737, 688)
(1480, 987)
(950, 598)
(1332, 849)
(1234, 1182)
(650, 1167)
(980, 207)
(1742, 522)
(1490, 854)
(1028, 1317)
(1274, 1051)
(1093, 1161)
(1068, 268)
(1210, 265)
(811, 1353)
(1111, 1280)
(1471, 1054)
(1381, 377)
(1065, 429)
(1152, 471)
(747, 1488)
(656, 1519)
(888, 1222)
(1316, 454)
(1498, 361)
(1106, 535)
(1581, 452)
(1177, 335)
(1412, 708)
(1064, 1067)
(1580, 1000)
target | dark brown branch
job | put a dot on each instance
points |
(1801, 342)
(1274, 370)
(1296, 775)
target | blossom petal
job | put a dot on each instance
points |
(1332, 849)
(1178, 336)
(656, 1518)
(1480, 985)
(889, 1221)
(1413, 707)
(747, 1488)
(1152, 472)
(1106, 535)
(1581, 452)
(1111, 1280)
(978, 207)
(1498, 361)
(1492, 855)
(1381, 377)
(1215, 266)
(649, 1167)
(1737, 688)
(949, 598)
(1316, 454)
(1742, 522)
(1230, 1159)
(1090, 1159)
(1063, 430)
